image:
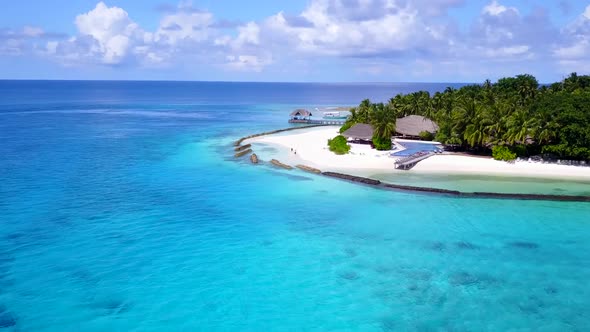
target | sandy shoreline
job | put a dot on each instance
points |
(310, 147)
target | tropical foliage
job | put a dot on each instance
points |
(382, 143)
(338, 145)
(502, 152)
(516, 112)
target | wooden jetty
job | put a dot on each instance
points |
(408, 162)
(323, 122)
(305, 117)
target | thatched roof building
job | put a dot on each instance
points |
(413, 125)
(359, 131)
(301, 113)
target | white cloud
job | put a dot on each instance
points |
(31, 31)
(576, 51)
(354, 28)
(184, 26)
(248, 34)
(377, 36)
(246, 62)
(106, 35)
(496, 9)
(502, 33)
(572, 52)
(510, 51)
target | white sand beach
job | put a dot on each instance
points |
(310, 148)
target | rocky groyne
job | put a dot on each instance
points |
(242, 153)
(309, 169)
(379, 184)
(280, 164)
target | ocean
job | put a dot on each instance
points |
(123, 209)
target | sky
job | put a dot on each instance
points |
(294, 41)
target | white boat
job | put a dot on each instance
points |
(334, 115)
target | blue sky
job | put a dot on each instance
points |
(313, 40)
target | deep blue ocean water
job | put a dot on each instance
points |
(122, 209)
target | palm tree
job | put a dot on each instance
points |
(475, 134)
(364, 111)
(520, 126)
(465, 113)
(495, 119)
(383, 121)
(545, 129)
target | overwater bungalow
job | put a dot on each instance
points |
(300, 115)
(412, 125)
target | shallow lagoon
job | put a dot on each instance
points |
(496, 184)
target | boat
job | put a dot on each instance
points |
(334, 115)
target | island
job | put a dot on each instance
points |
(514, 127)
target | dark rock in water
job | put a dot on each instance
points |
(7, 319)
(280, 164)
(388, 325)
(349, 275)
(254, 158)
(436, 246)
(524, 245)
(551, 290)
(481, 281)
(113, 306)
(353, 178)
(419, 275)
(16, 236)
(350, 252)
(382, 269)
(463, 279)
(466, 245)
(532, 305)
(242, 153)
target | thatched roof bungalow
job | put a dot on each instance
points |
(300, 113)
(359, 131)
(413, 125)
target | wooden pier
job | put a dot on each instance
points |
(323, 122)
(408, 162)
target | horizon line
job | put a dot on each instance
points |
(237, 81)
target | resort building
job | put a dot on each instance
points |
(407, 127)
(412, 125)
(359, 133)
(300, 115)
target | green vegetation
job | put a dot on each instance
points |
(501, 152)
(338, 145)
(426, 136)
(515, 112)
(382, 144)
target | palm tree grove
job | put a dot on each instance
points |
(514, 117)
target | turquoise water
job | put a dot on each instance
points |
(132, 214)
